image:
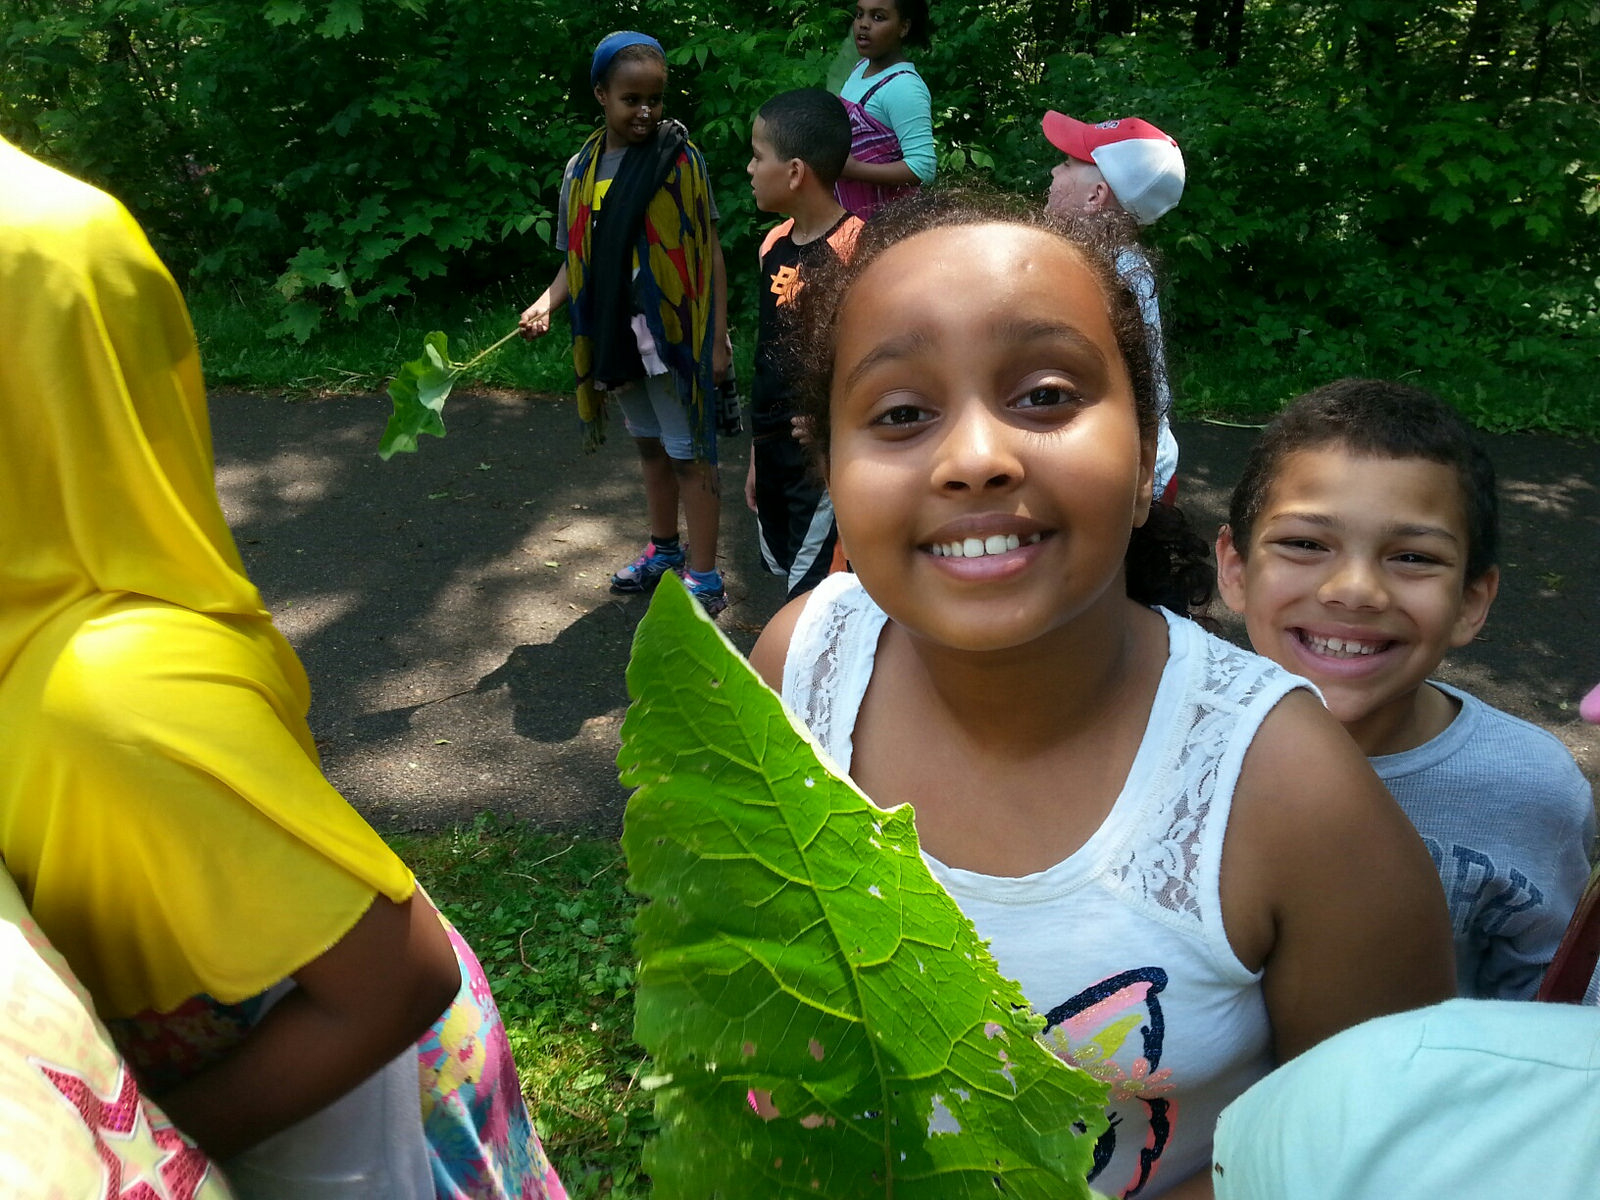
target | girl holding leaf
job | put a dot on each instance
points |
(1167, 841)
(648, 288)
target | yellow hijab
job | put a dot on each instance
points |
(161, 804)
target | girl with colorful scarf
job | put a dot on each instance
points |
(268, 967)
(891, 114)
(648, 288)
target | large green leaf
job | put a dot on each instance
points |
(418, 393)
(795, 943)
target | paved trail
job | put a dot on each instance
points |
(451, 607)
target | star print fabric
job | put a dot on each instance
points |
(72, 1121)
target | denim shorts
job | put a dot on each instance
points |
(651, 409)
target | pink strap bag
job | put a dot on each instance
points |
(871, 141)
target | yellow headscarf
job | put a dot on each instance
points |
(161, 805)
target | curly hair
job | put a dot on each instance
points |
(915, 11)
(1167, 563)
(1382, 419)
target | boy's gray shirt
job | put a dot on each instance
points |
(1133, 266)
(1508, 819)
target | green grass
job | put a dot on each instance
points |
(549, 917)
(362, 355)
(1228, 380)
(1556, 399)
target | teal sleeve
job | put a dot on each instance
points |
(905, 106)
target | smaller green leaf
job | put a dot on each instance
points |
(344, 17)
(284, 12)
(300, 321)
(418, 393)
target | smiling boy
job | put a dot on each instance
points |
(1360, 549)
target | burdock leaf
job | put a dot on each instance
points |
(418, 392)
(795, 943)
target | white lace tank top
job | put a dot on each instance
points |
(1120, 946)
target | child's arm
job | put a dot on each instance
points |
(721, 347)
(888, 174)
(772, 647)
(906, 107)
(535, 319)
(750, 484)
(355, 1008)
(1554, 818)
(1327, 885)
(1197, 1187)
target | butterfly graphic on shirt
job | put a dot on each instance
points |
(1090, 1030)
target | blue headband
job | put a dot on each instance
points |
(611, 43)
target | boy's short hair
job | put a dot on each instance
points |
(1385, 420)
(811, 125)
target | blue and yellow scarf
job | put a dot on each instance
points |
(671, 283)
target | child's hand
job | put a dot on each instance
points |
(535, 319)
(750, 485)
(1588, 707)
(800, 430)
(721, 359)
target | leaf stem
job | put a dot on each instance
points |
(470, 363)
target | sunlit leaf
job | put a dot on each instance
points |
(796, 944)
(418, 393)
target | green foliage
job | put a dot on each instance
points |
(548, 917)
(359, 355)
(1374, 186)
(795, 942)
(418, 392)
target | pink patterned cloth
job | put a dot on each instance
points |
(871, 141)
(481, 1142)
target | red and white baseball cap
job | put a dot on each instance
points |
(1142, 165)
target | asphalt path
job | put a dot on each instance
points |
(465, 654)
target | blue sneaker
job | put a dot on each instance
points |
(644, 572)
(708, 589)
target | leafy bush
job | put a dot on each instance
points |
(1373, 186)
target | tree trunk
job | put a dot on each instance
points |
(1055, 25)
(1478, 67)
(1541, 49)
(1207, 16)
(1233, 48)
(1117, 16)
